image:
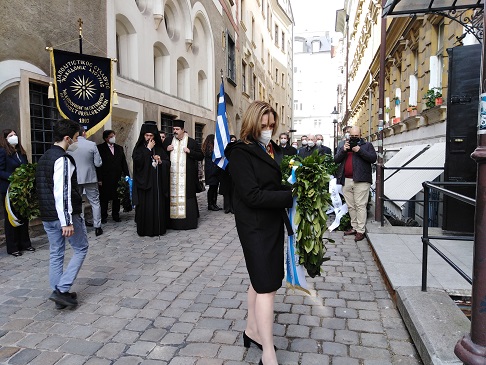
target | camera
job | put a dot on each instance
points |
(353, 142)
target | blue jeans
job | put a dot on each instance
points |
(79, 243)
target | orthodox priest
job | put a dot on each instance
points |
(150, 182)
(184, 153)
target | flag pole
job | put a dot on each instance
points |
(80, 22)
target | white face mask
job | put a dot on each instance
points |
(304, 143)
(265, 137)
(319, 143)
(283, 141)
(295, 145)
(13, 140)
(73, 147)
(112, 140)
(310, 143)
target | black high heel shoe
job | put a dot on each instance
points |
(247, 341)
(261, 362)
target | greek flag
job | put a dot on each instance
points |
(222, 136)
(295, 272)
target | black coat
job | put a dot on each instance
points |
(259, 205)
(8, 164)
(211, 170)
(288, 150)
(113, 168)
(362, 161)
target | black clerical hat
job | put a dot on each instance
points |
(178, 123)
(150, 122)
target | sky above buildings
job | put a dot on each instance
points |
(313, 16)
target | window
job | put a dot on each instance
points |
(166, 123)
(269, 22)
(253, 30)
(243, 77)
(414, 80)
(231, 58)
(276, 35)
(316, 46)
(42, 115)
(283, 79)
(296, 105)
(198, 133)
(440, 52)
(253, 90)
(276, 75)
(282, 118)
(295, 69)
(283, 41)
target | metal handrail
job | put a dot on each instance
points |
(426, 238)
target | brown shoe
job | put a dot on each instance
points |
(350, 232)
(359, 236)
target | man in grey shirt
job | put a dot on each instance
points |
(87, 160)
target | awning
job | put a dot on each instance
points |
(401, 158)
(405, 184)
(411, 7)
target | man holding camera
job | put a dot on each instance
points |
(355, 157)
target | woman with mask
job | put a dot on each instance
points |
(211, 172)
(12, 155)
(259, 206)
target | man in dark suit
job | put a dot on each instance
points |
(322, 149)
(114, 167)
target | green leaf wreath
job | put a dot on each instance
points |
(123, 191)
(22, 192)
(312, 192)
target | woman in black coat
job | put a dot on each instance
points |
(12, 155)
(259, 205)
(211, 172)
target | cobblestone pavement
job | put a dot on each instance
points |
(181, 300)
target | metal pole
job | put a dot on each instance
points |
(425, 237)
(80, 22)
(471, 349)
(381, 105)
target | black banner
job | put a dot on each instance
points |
(83, 88)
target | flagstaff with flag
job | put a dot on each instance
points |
(222, 135)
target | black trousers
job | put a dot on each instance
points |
(17, 238)
(115, 208)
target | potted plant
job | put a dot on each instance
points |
(433, 97)
(396, 100)
(412, 110)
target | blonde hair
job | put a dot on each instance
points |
(251, 126)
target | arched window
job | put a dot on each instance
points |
(183, 81)
(126, 48)
(161, 68)
(202, 83)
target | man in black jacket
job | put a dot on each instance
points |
(356, 157)
(285, 146)
(109, 173)
(60, 205)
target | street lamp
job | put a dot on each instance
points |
(334, 115)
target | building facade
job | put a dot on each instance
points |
(416, 81)
(316, 77)
(170, 55)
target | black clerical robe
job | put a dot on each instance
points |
(150, 191)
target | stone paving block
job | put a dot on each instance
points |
(24, 356)
(128, 360)
(98, 361)
(80, 347)
(315, 359)
(182, 361)
(346, 313)
(200, 335)
(214, 323)
(72, 360)
(334, 349)
(298, 331)
(52, 343)
(336, 360)
(347, 337)
(225, 337)
(138, 324)
(173, 339)
(153, 362)
(164, 353)
(11, 338)
(365, 326)
(402, 348)
(311, 321)
(214, 312)
(304, 345)
(369, 353)
(47, 358)
(334, 323)
(322, 334)
(141, 348)
(288, 318)
(112, 350)
(136, 303)
(210, 362)
(374, 340)
(235, 353)
(153, 334)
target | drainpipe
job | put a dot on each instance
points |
(471, 349)
(381, 106)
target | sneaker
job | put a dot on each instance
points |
(67, 299)
(98, 231)
(62, 306)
